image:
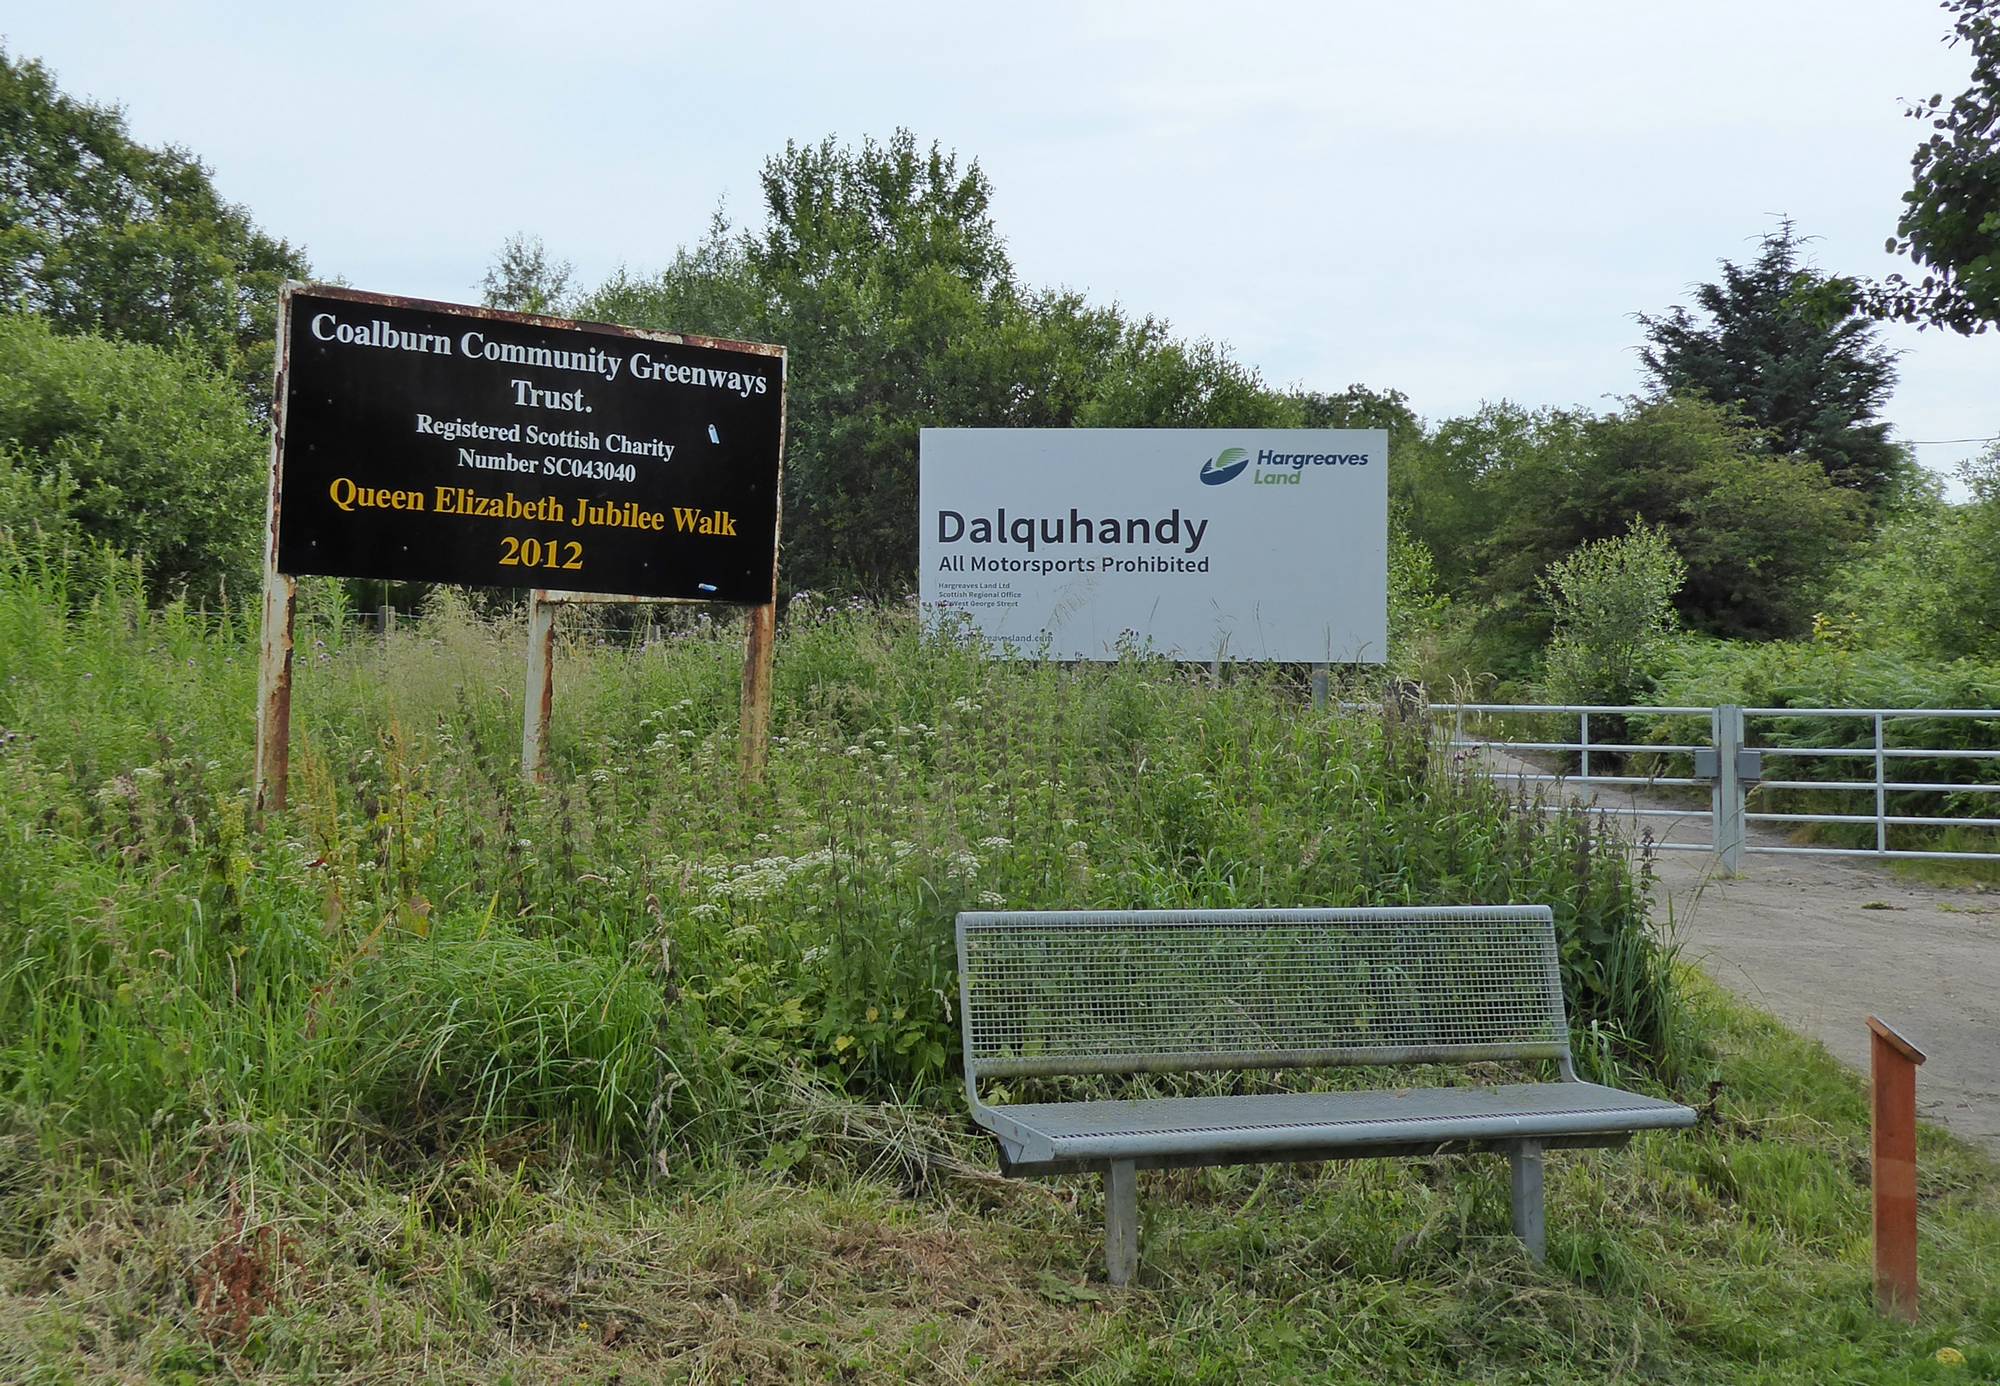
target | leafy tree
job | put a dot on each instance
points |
(101, 234)
(1417, 609)
(1895, 593)
(523, 278)
(1761, 534)
(1612, 602)
(1930, 583)
(1802, 366)
(882, 272)
(36, 506)
(1360, 407)
(144, 448)
(708, 289)
(1467, 488)
(1501, 495)
(1951, 214)
(1152, 381)
(1968, 621)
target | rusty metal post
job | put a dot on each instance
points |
(271, 776)
(1892, 1066)
(537, 706)
(759, 640)
(760, 635)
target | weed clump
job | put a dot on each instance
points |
(645, 956)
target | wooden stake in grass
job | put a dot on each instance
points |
(274, 690)
(1893, 1064)
(759, 640)
(271, 777)
(539, 703)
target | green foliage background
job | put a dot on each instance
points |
(144, 448)
(101, 234)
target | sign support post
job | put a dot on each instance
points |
(271, 777)
(759, 643)
(435, 442)
(274, 691)
(540, 700)
(754, 736)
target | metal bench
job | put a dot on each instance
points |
(1173, 991)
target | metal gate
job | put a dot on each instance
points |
(1729, 764)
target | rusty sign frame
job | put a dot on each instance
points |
(280, 590)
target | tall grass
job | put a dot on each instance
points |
(645, 956)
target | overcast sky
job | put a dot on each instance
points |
(1464, 201)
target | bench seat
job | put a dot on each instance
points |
(1059, 1133)
(1111, 993)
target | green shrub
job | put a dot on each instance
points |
(150, 451)
(1613, 602)
(644, 954)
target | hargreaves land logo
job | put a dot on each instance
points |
(1288, 468)
(1226, 465)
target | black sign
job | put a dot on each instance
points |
(428, 442)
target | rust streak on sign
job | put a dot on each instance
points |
(1893, 1061)
(473, 310)
(760, 640)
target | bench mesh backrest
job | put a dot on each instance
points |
(1162, 990)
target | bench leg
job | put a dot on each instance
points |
(1121, 1221)
(1525, 1165)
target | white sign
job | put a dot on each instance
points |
(1199, 543)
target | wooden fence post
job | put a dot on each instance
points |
(760, 636)
(273, 774)
(535, 708)
(1892, 1065)
(270, 777)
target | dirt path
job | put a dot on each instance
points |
(1822, 942)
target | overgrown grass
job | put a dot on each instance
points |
(638, 954)
(645, 1073)
(884, 1249)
